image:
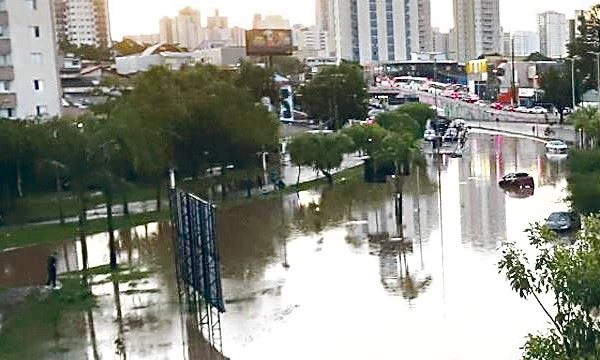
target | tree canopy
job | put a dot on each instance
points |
(555, 84)
(568, 274)
(337, 94)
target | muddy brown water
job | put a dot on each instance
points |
(437, 295)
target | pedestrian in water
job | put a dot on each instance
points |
(533, 130)
(51, 267)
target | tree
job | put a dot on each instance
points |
(257, 80)
(587, 40)
(583, 184)
(287, 65)
(421, 113)
(84, 51)
(555, 85)
(337, 94)
(569, 275)
(537, 56)
(587, 119)
(322, 152)
(127, 47)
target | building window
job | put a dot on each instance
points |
(37, 58)
(38, 85)
(5, 60)
(5, 86)
(3, 31)
(35, 30)
(32, 4)
(41, 110)
(7, 113)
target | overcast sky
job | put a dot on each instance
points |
(134, 17)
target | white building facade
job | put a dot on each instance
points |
(188, 28)
(476, 29)
(554, 33)
(526, 42)
(29, 81)
(368, 31)
(83, 22)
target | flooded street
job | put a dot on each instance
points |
(302, 280)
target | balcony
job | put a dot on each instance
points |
(3, 18)
(8, 101)
(7, 73)
(5, 47)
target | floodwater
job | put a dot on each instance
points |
(435, 295)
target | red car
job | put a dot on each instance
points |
(509, 108)
(497, 106)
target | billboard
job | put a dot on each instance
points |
(266, 42)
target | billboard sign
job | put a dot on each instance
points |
(266, 42)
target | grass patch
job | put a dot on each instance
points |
(39, 321)
(43, 234)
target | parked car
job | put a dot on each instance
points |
(429, 135)
(537, 110)
(520, 193)
(497, 106)
(562, 221)
(516, 180)
(522, 109)
(450, 135)
(508, 108)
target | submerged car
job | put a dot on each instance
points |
(557, 147)
(516, 180)
(563, 221)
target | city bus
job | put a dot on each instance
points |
(437, 87)
(411, 82)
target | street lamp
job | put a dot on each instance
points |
(572, 60)
(598, 73)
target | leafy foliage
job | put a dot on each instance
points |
(337, 94)
(555, 85)
(583, 184)
(568, 274)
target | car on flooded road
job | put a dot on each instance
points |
(563, 221)
(516, 181)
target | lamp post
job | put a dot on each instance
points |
(572, 60)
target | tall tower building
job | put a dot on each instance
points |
(477, 28)
(419, 36)
(82, 22)
(166, 30)
(217, 28)
(188, 28)
(323, 14)
(526, 42)
(29, 85)
(368, 31)
(554, 33)
(441, 41)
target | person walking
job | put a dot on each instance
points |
(51, 267)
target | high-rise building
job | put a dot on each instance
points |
(270, 22)
(217, 28)
(553, 33)
(309, 39)
(238, 36)
(441, 41)
(477, 28)
(188, 28)
(82, 22)
(369, 31)
(526, 42)
(29, 85)
(574, 24)
(418, 26)
(167, 30)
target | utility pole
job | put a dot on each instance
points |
(514, 96)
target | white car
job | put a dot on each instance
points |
(537, 110)
(557, 147)
(522, 109)
(429, 135)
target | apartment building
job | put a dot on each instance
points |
(29, 85)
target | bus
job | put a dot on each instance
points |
(437, 88)
(411, 83)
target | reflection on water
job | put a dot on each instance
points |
(359, 283)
